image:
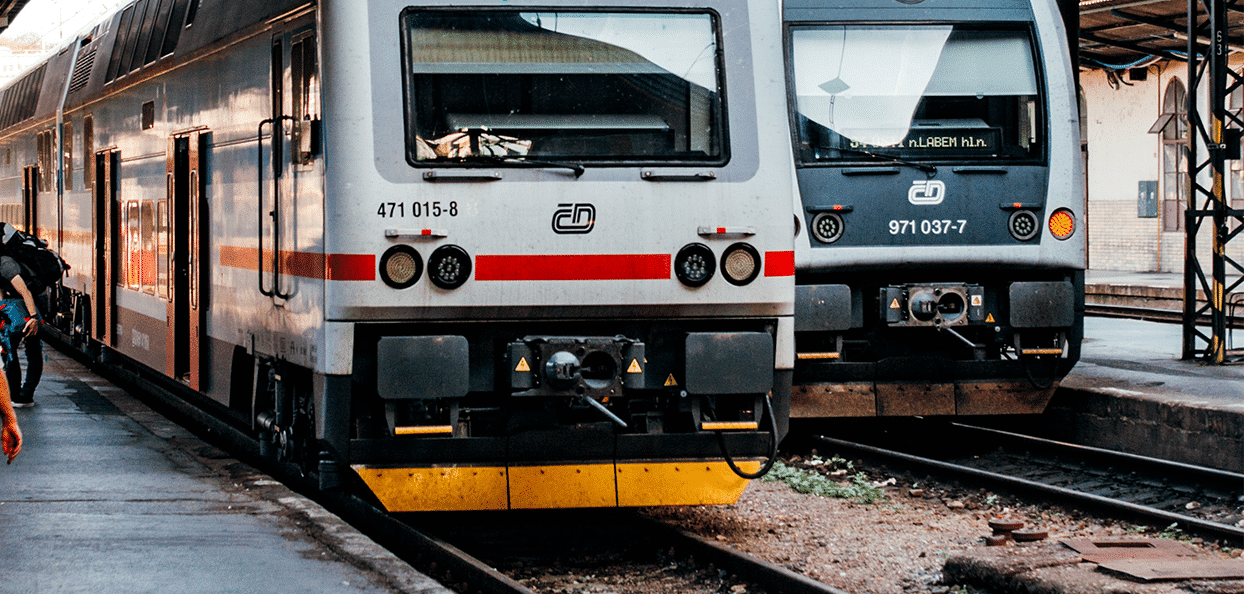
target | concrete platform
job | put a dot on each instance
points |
(109, 497)
(1131, 392)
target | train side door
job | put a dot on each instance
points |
(291, 159)
(184, 216)
(107, 217)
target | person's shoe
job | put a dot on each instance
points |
(23, 403)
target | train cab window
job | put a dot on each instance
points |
(917, 92)
(605, 88)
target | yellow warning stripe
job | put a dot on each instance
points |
(817, 356)
(729, 426)
(425, 430)
(1042, 352)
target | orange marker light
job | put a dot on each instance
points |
(1062, 224)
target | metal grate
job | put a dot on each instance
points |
(82, 70)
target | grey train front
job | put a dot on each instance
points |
(940, 268)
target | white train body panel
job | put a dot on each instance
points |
(231, 179)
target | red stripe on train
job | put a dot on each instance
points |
(336, 267)
(779, 263)
(573, 267)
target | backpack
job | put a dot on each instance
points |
(45, 267)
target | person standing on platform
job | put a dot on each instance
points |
(20, 319)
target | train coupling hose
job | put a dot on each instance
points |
(773, 449)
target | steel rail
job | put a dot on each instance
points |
(1223, 477)
(1200, 526)
(771, 577)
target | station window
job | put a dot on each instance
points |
(1173, 124)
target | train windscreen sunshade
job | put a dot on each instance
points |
(917, 92)
(583, 86)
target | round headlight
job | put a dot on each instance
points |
(1062, 223)
(400, 266)
(826, 227)
(695, 264)
(1023, 225)
(740, 264)
(449, 266)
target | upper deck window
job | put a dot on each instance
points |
(578, 87)
(916, 92)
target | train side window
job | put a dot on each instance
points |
(158, 30)
(305, 86)
(45, 150)
(175, 26)
(131, 38)
(147, 248)
(118, 46)
(163, 253)
(143, 22)
(129, 267)
(88, 149)
(194, 11)
(67, 176)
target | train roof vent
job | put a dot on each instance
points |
(20, 100)
(82, 70)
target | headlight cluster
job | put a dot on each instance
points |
(695, 264)
(1024, 224)
(449, 266)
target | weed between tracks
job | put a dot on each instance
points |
(819, 476)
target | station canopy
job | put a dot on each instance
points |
(8, 11)
(1119, 34)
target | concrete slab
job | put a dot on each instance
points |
(109, 497)
(1052, 568)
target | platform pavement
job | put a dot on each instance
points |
(1130, 391)
(110, 497)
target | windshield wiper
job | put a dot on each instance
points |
(575, 167)
(925, 167)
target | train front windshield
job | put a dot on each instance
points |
(922, 93)
(584, 87)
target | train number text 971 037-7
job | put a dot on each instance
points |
(927, 226)
(399, 210)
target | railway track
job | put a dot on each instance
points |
(610, 550)
(1149, 314)
(424, 540)
(1197, 500)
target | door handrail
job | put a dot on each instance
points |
(275, 291)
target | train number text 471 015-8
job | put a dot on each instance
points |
(927, 226)
(398, 210)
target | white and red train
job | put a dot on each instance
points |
(482, 255)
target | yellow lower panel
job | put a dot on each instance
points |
(681, 483)
(437, 489)
(547, 487)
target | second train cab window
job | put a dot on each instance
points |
(595, 87)
(916, 91)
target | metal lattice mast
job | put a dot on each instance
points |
(1207, 69)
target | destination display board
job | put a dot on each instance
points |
(932, 141)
